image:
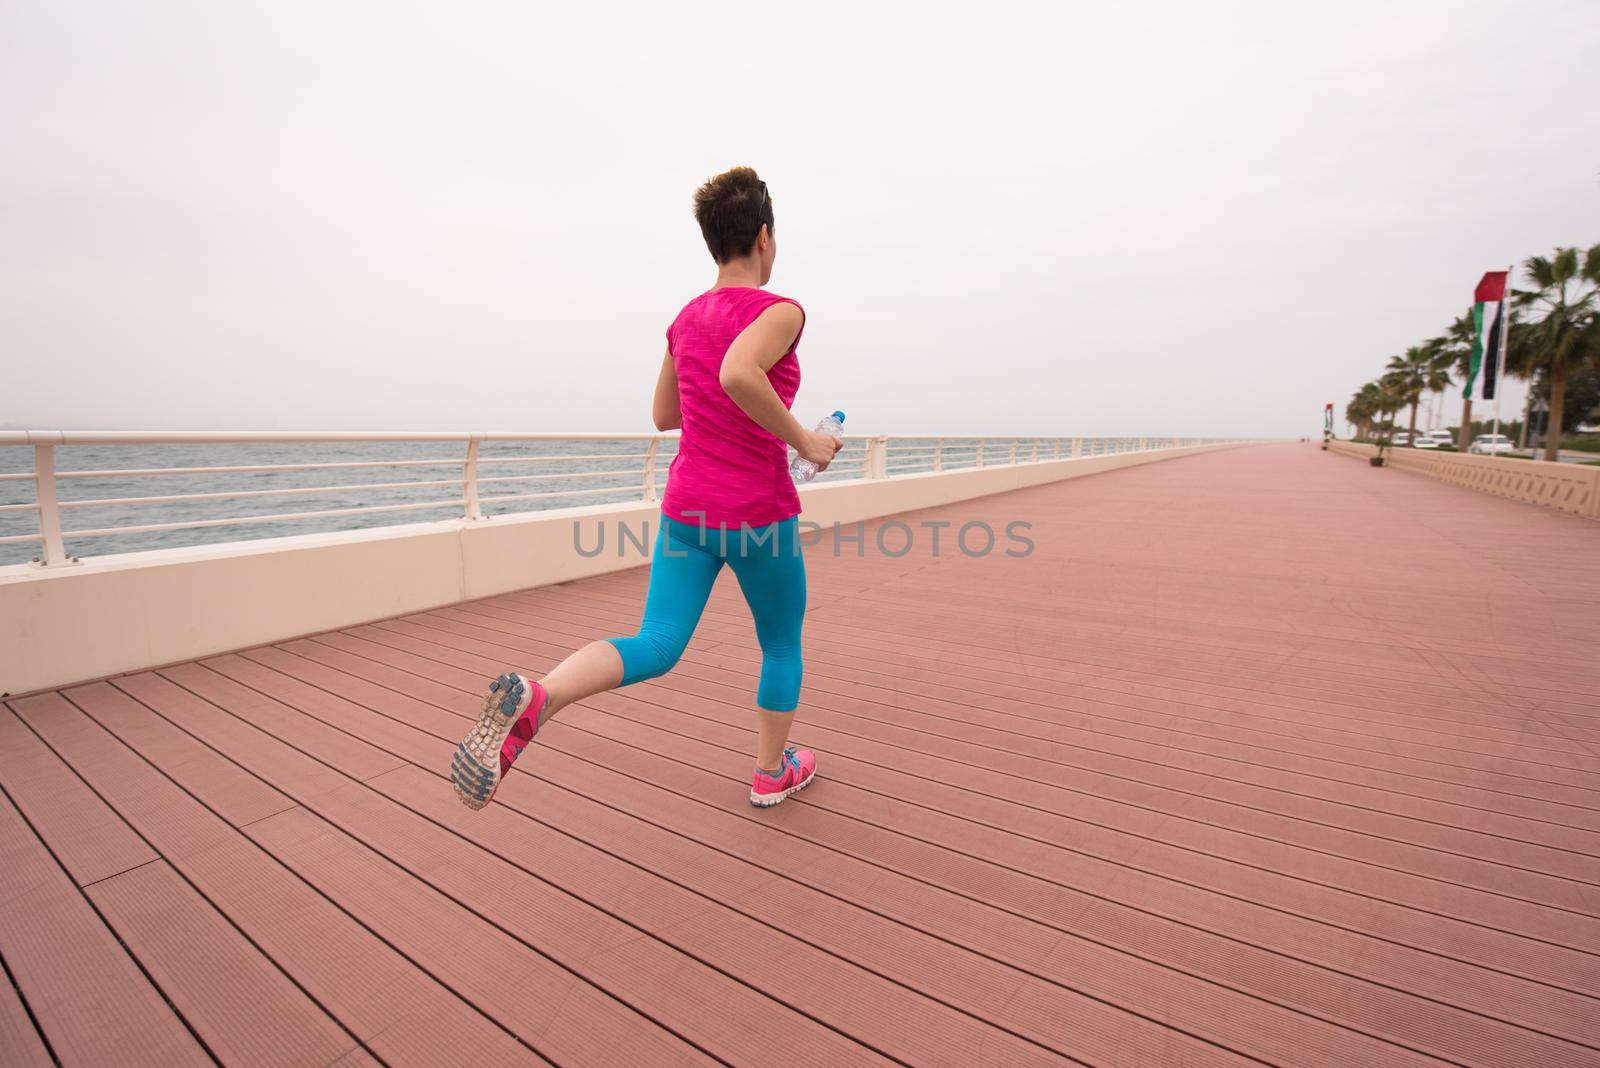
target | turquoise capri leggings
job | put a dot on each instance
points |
(771, 572)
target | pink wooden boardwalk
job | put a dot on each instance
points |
(1262, 757)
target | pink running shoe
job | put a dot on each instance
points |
(508, 722)
(795, 772)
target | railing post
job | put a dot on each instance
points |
(1058, 449)
(1144, 443)
(1013, 457)
(1035, 450)
(469, 479)
(44, 481)
(876, 465)
(650, 469)
(938, 455)
(982, 445)
(1077, 448)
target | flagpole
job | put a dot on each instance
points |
(1500, 357)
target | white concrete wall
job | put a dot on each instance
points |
(128, 612)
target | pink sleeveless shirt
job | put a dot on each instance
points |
(728, 469)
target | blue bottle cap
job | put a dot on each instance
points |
(839, 416)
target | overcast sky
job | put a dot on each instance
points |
(1086, 219)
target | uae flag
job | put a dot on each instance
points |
(1489, 304)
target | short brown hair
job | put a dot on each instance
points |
(731, 209)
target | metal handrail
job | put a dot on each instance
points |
(863, 456)
(245, 520)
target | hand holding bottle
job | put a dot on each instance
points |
(818, 448)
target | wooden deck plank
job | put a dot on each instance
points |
(1215, 769)
(240, 1004)
(504, 892)
(974, 792)
(21, 1044)
(661, 906)
(1045, 729)
(1328, 647)
(572, 1021)
(85, 836)
(1530, 940)
(1148, 656)
(1355, 699)
(997, 708)
(910, 657)
(1465, 1033)
(1469, 703)
(404, 1016)
(1060, 749)
(909, 959)
(91, 1000)
(1470, 709)
(206, 776)
(1496, 952)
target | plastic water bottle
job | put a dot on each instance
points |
(804, 470)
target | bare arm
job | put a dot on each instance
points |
(744, 378)
(665, 410)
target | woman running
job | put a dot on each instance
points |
(728, 379)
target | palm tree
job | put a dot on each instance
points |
(1392, 394)
(1411, 375)
(1566, 300)
(1357, 415)
(1436, 370)
(1454, 351)
(1363, 409)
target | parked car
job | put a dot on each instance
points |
(1491, 445)
(1433, 439)
(1400, 437)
